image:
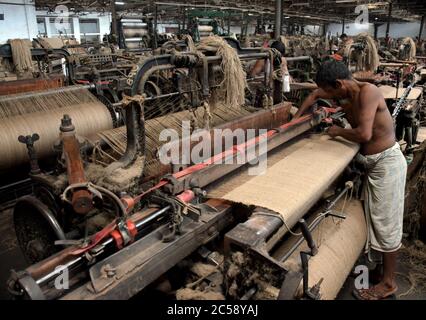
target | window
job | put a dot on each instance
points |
(41, 27)
(60, 27)
(89, 30)
(89, 26)
(1, 16)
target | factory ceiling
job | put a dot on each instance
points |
(300, 11)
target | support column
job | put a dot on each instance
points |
(113, 18)
(278, 13)
(376, 30)
(155, 44)
(184, 19)
(76, 28)
(422, 25)
(48, 29)
(343, 25)
(229, 23)
(388, 23)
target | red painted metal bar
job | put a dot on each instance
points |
(230, 152)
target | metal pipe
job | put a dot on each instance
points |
(300, 58)
(278, 12)
(389, 21)
(155, 26)
(317, 220)
(139, 226)
(422, 24)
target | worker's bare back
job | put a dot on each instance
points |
(383, 133)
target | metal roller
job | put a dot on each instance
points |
(88, 118)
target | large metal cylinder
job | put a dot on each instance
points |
(88, 119)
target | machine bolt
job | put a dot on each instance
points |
(110, 271)
(66, 124)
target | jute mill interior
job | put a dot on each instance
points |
(84, 127)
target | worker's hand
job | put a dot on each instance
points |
(293, 112)
(334, 131)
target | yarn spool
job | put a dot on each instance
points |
(135, 32)
(88, 118)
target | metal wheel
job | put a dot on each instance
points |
(36, 229)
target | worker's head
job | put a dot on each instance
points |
(332, 77)
(278, 45)
(344, 37)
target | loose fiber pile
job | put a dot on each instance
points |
(408, 41)
(368, 59)
(51, 43)
(20, 104)
(413, 256)
(233, 86)
(21, 55)
(87, 118)
(190, 42)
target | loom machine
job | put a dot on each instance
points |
(108, 72)
(118, 231)
(136, 33)
(403, 88)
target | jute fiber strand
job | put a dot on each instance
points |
(412, 52)
(340, 242)
(87, 118)
(20, 104)
(116, 138)
(233, 86)
(369, 59)
(21, 55)
(295, 180)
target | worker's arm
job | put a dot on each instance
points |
(363, 133)
(284, 67)
(310, 100)
(258, 68)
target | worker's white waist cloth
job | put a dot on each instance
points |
(384, 191)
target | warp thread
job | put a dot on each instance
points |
(116, 138)
(88, 120)
(233, 85)
(20, 104)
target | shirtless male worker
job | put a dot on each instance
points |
(381, 156)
